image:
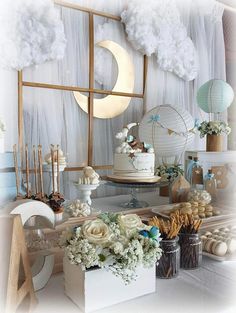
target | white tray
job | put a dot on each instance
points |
(225, 213)
(227, 257)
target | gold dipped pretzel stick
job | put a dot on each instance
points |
(35, 170)
(27, 171)
(53, 173)
(16, 171)
(58, 171)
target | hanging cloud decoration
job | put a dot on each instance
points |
(31, 33)
(155, 28)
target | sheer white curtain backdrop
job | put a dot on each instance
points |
(55, 117)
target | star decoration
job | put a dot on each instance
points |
(131, 155)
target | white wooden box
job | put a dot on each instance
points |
(95, 289)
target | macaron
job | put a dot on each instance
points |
(207, 233)
(201, 209)
(208, 208)
(208, 245)
(231, 244)
(220, 248)
(202, 215)
(208, 214)
(216, 212)
(186, 210)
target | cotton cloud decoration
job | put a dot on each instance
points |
(155, 28)
(31, 33)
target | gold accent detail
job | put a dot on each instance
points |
(111, 106)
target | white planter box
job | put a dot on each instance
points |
(96, 289)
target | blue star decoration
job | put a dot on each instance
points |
(154, 118)
(153, 233)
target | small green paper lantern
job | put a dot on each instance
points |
(215, 96)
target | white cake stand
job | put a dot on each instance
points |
(86, 191)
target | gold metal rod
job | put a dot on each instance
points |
(87, 10)
(53, 174)
(27, 170)
(67, 169)
(16, 169)
(91, 85)
(81, 89)
(58, 171)
(35, 170)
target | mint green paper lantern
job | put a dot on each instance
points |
(215, 96)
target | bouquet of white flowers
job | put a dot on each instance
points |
(213, 128)
(117, 242)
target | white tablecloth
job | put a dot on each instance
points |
(209, 289)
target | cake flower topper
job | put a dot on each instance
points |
(129, 144)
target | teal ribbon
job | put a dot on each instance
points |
(189, 170)
(154, 118)
(209, 176)
(190, 167)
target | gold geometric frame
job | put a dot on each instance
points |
(90, 90)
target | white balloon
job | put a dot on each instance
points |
(170, 117)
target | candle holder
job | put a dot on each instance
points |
(53, 176)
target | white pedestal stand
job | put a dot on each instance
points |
(86, 191)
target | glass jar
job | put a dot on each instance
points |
(190, 251)
(169, 262)
(196, 174)
(210, 184)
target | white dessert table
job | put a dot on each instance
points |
(210, 289)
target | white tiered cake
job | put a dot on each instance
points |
(134, 164)
(133, 160)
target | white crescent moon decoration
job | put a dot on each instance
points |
(111, 105)
(43, 264)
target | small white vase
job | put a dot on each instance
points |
(2, 144)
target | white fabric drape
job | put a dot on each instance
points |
(55, 117)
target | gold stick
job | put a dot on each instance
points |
(27, 169)
(40, 168)
(58, 172)
(16, 169)
(52, 158)
(35, 170)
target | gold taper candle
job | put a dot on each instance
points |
(35, 170)
(58, 171)
(53, 174)
(27, 170)
(40, 169)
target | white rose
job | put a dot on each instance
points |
(130, 223)
(96, 232)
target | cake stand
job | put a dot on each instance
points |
(134, 187)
